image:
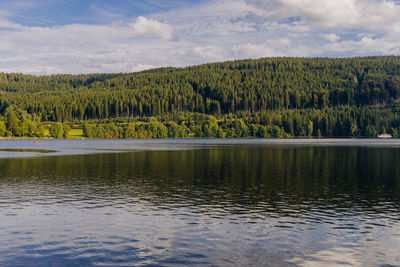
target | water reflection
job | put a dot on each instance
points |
(26, 150)
(241, 205)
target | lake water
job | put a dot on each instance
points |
(200, 202)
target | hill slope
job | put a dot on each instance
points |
(229, 87)
(313, 95)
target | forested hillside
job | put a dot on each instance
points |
(297, 96)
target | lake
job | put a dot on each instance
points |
(297, 202)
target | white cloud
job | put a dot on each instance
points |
(150, 27)
(369, 14)
(141, 67)
(214, 31)
(331, 37)
(213, 53)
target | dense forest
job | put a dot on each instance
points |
(271, 97)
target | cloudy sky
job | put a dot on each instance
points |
(87, 36)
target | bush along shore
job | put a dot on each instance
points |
(339, 122)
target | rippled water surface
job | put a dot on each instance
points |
(169, 204)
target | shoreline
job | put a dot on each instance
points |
(204, 138)
(22, 148)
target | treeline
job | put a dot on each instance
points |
(334, 122)
(337, 122)
(271, 84)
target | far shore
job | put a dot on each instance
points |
(205, 138)
(37, 138)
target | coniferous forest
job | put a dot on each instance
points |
(271, 97)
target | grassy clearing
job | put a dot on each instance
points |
(76, 133)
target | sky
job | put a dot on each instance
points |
(91, 36)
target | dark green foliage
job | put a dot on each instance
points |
(66, 130)
(219, 88)
(57, 130)
(3, 128)
(12, 121)
(17, 122)
(272, 97)
(333, 122)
